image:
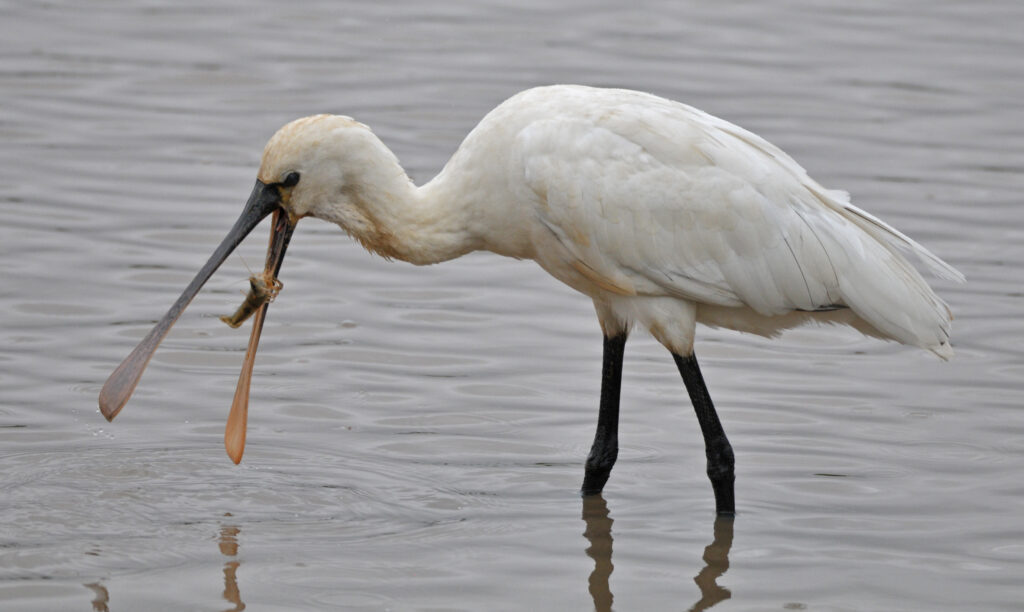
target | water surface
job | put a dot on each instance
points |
(417, 434)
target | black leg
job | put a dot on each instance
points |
(606, 440)
(721, 463)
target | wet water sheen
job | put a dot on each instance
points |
(417, 436)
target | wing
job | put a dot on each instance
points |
(676, 207)
(659, 198)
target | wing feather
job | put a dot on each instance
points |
(663, 199)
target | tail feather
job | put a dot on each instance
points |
(883, 232)
(882, 288)
(945, 351)
(887, 234)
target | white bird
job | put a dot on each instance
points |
(663, 215)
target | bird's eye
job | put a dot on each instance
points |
(290, 179)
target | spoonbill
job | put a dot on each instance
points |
(665, 216)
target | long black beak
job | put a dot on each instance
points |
(264, 200)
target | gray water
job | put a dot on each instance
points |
(417, 435)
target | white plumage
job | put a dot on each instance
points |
(664, 215)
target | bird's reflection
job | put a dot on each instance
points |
(102, 597)
(229, 548)
(599, 534)
(228, 543)
(716, 558)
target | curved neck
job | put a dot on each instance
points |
(391, 216)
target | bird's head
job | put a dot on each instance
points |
(320, 166)
(314, 166)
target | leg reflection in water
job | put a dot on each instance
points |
(229, 548)
(101, 599)
(716, 556)
(599, 534)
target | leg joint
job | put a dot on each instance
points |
(721, 461)
(602, 458)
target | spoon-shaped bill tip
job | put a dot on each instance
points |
(264, 200)
(234, 431)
